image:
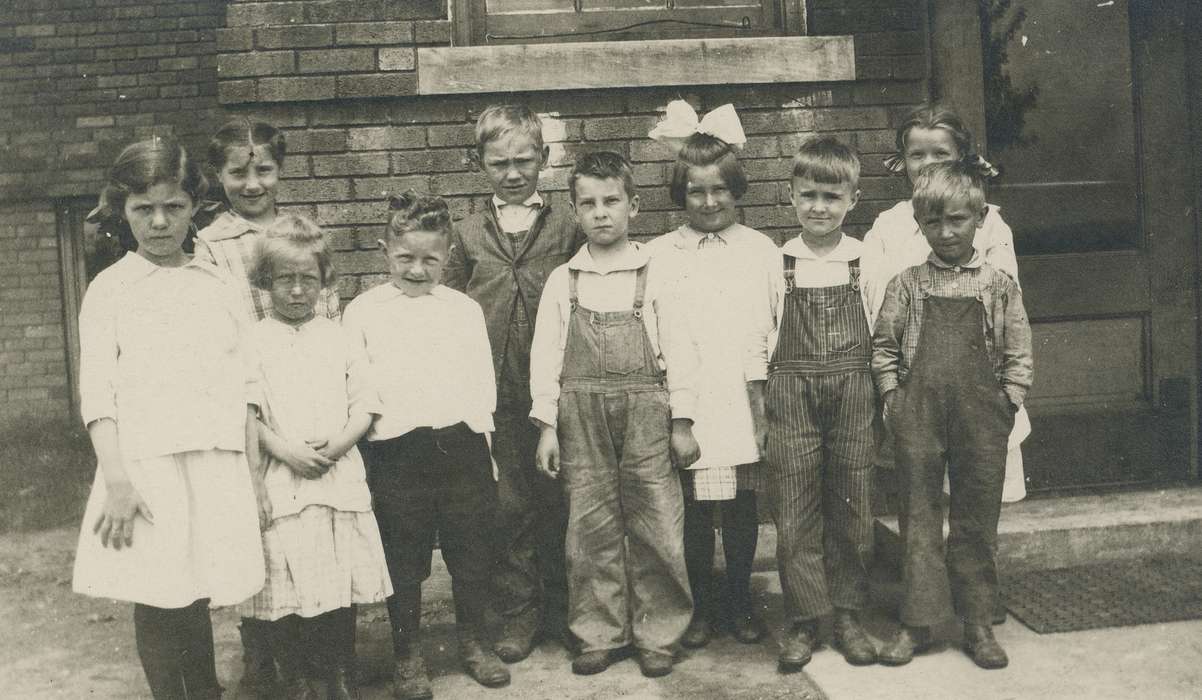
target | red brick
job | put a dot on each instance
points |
(428, 109)
(605, 128)
(240, 14)
(351, 164)
(358, 33)
(316, 140)
(235, 39)
(240, 65)
(416, 9)
(430, 161)
(336, 61)
(381, 187)
(835, 119)
(295, 37)
(314, 190)
(459, 183)
(297, 89)
(340, 113)
(377, 85)
(397, 59)
(432, 32)
(351, 213)
(777, 121)
(456, 135)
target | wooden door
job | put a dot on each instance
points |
(1084, 105)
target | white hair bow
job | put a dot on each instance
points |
(681, 122)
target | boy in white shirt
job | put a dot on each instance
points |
(602, 345)
(813, 403)
(427, 454)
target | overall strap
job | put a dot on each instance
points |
(853, 273)
(790, 271)
(573, 280)
(640, 288)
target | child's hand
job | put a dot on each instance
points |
(116, 523)
(263, 501)
(759, 421)
(546, 456)
(683, 447)
(329, 448)
(306, 462)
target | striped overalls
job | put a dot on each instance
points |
(820, 403)
(625, 552)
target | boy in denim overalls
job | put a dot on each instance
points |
(602, 344)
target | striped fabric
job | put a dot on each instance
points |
(320, 560)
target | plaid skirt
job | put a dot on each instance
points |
(319, 560)
(721, 483)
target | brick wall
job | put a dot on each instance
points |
(81, 78)
(32, 353)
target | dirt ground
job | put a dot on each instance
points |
(58, 644)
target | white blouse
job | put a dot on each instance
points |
(718, 286)
(314, 380)
(162, 353)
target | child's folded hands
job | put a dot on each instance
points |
(305, 461)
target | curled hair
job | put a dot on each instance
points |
(291, 236)
(938, 184)
(139, 167)
(827, 160)
(929, 116)
(701, 150)
(498, 121)
(410, 211)
(603, 165)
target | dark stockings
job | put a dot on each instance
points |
(175, 646)
(740, 532)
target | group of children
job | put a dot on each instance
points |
(563, 409)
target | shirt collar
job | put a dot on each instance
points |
(136, 267)
(973, 262)
(634, 257)
(688, 237)
(533, 201)
(847, 250)
(228, 225)
(389, 291)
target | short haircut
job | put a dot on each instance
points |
(938, 184)
(291, 236)
(935, 116)
(701, 150)
(498, 121)
(827, 160)
(244, 132)
(411, 211)
(603, 165)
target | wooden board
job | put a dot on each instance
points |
(574, 66)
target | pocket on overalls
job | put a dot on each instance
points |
(843, 333)
(622, 347)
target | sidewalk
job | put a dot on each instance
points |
(60, 645)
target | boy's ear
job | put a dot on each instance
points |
(546, 156)
(634, 206)
(981, 215)
(855, 199)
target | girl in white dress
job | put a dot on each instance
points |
(932, 134)
(721, 266)
(168, 396)
(323, 547)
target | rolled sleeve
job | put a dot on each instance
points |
(362, 396)
(546, 350)
(887, 336)
(1018, 366)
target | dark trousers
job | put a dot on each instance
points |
(175, 646)
(429, 483)
(312, 647)
(740, 534)
(530, 581)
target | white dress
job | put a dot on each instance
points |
(323, 547)
(161, 354)
(895, 243)
(717, 284)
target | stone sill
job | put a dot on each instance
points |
(576, 66)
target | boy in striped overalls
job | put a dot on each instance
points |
(813, 404)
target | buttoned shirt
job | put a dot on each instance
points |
(517, 218)
(611, 287)
(895, 242)
(427, 356)
(1006, 330)
(163, 353)
(810, 270)
(231, 243)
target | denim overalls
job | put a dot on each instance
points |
(625, 553)
(820, 402)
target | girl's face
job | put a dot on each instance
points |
(709, 205)
(295, 286)
(926, 146)
(159, 219)
(249, 178)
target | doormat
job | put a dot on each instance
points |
(1106, 594)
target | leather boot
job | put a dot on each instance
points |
(906, 642)
(410, 680)
(480, 661)
(851, 640)
(798, 646)
(984, 649)
(518, 636)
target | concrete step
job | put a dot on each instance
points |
(1045, 533)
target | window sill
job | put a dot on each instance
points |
(575, 66)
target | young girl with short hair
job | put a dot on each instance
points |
(168, 395)
(721, 264)
(323, 547)
(934, 133)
